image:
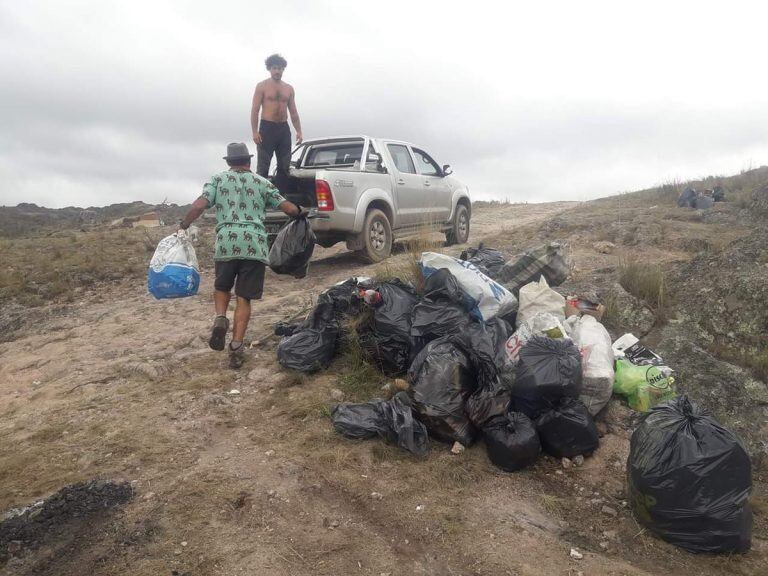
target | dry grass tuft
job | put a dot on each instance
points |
(645, 281)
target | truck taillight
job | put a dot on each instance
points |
(324, 196)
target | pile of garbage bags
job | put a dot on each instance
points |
(526, 375)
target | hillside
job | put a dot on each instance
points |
(235, 473)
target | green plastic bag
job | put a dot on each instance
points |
(643, 386)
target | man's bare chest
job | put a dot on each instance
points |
(277, 95)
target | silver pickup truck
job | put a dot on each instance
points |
(369, 191)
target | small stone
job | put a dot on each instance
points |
(401, 384)
(457, 448)
(376, 495)
(234, 392)
(566, 462)
(334, 523)
(559, 472)
(269, 453)
(576, 555)
(184, 544)
(337, 395)
(149, 495)
(609, 511)
(610, 535)
(177, 552)
(420, 507)
(604, 247)
(578, 460)
(604, 545)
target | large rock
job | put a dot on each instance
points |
(626, 313)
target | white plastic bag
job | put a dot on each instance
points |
(484, 298)
(537, 298)
(543, 324)
(173, 270)
(596, 362)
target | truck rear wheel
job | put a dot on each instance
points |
(377, 236)
(459, 232)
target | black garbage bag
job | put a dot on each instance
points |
(567, 430)
(441, 312)
(547, 260)
(391, 420)
(687, 198)
(308, 349)
(690, 479)
(548, 370)
(442, 379)
(703, 202)
(292, 248)
(718, 194)
(488, 402)
(511, 441)
(488, 260)
(386, 339)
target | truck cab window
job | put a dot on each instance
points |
(402, 158)
(425, 164)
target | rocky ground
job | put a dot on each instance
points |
(241, 473)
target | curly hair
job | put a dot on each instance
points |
(275, 60)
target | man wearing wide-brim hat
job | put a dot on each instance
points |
(241, 199)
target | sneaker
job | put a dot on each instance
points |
(219, 333)
(236, 357)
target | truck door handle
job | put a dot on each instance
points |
(426, 183)
(401, 181)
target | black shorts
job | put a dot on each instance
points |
(247, 276)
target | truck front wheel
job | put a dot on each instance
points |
(459, 232)
(377, 236)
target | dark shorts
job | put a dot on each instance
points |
(247, 276)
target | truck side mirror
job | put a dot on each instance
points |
(447, 170)
(379, 162)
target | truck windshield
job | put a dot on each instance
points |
(333, 154)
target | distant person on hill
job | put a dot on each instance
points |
(241, 199)
(275, 100)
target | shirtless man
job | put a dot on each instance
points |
(275, 99)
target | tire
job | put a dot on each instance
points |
(377, 236)
(459, 232)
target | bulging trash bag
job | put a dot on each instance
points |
(512, 441)
(487, 403)
(542, 324)
(442, 379)
(594, 343)
(687, 198)
(292, 248)
(488, 260)
(567, 430)
(308, 349)
(690, 479)
(547, 371)
(703, 202)
(547, 260)
(538, 298)
(386, 339)
(643, 386)
(440, 313)
(391, 420)
(173, 270)
(484, 298)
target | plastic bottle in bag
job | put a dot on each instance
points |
(173, 270)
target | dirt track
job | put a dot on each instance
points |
(256, 482)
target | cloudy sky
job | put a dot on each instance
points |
(104, 101)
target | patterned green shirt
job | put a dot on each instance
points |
(241, 199)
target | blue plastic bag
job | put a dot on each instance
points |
(173, 270)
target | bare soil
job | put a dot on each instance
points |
(241, 473)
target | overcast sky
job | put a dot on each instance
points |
(104, 102)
